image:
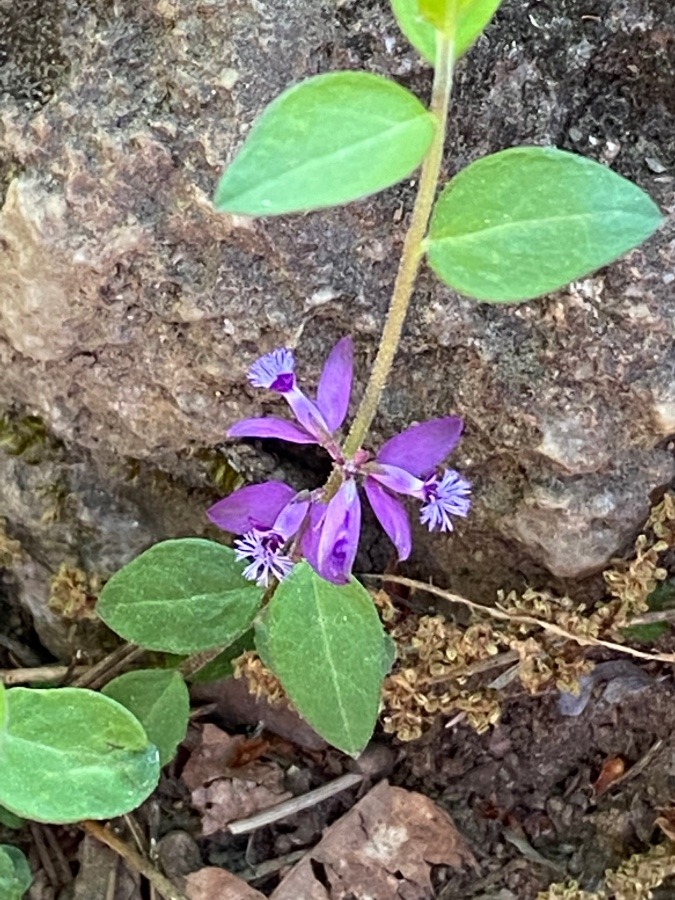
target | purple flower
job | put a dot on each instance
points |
(272, 517)
(406, 464)
(268, 516)
(317, 421)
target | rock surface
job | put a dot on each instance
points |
(129, 310)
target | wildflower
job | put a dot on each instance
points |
(326, 533)
(406, 464)
(267, 516)
(316, 421)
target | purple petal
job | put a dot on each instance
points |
(291, 517)
(271, 427)
(392, 517)
(308, 415)
(420, 448)
(339, 539)
(309, 541)
(396, 479)
(335, 384)
(254, 506)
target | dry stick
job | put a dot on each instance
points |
(294, 805)
(160, 882)
(477, 668)
(43, 854)
(497, 613)
(61, 861)
(126, 653)
(42, 673)
(97, 683)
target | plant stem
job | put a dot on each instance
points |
(412, 251)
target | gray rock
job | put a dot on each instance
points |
(129, 310)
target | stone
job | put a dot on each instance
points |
(130, 310)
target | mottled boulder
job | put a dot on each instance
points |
(129, 310)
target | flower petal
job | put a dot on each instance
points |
(420, 448)
(308, 415)
(291, 517)
(391, 516)
(340, 533)
(309, 540)
(395, 478)
(271, 427)
(253, 506)
(335, 384)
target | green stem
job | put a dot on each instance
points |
(412, 251)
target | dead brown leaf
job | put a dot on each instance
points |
(212, 883)
(238, 707)
(612, 769)
(224, 793)
(384, 847)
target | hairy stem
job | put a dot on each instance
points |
(412, 251)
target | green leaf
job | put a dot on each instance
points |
(326, 141)
(221, 666)
(472, 17)
(9, 820)
(159, 700)
(15, 874)
(69, 753)
(326, 645)
(180, 596)
(527, 221)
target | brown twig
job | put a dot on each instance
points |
(96, 676)
(520, 619)
(160, 882)
(477, 668)
(36, 675)
(59, 856)
(37, 834)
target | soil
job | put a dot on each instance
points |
(524, 787)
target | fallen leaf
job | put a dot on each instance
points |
(103, 874)
(612, 769)
(384, 847)
(237, 707)
(666, 822)
(224, 793)
(212, 883)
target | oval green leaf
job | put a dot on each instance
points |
(472, 18)
(180, 596)
(326, 645)
(15, 874)
(526, 221)
(326, 141)
(69, 753)
(159, 699)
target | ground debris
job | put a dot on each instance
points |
(385, 845)
(223, 791)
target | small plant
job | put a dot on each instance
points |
(510, 227)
